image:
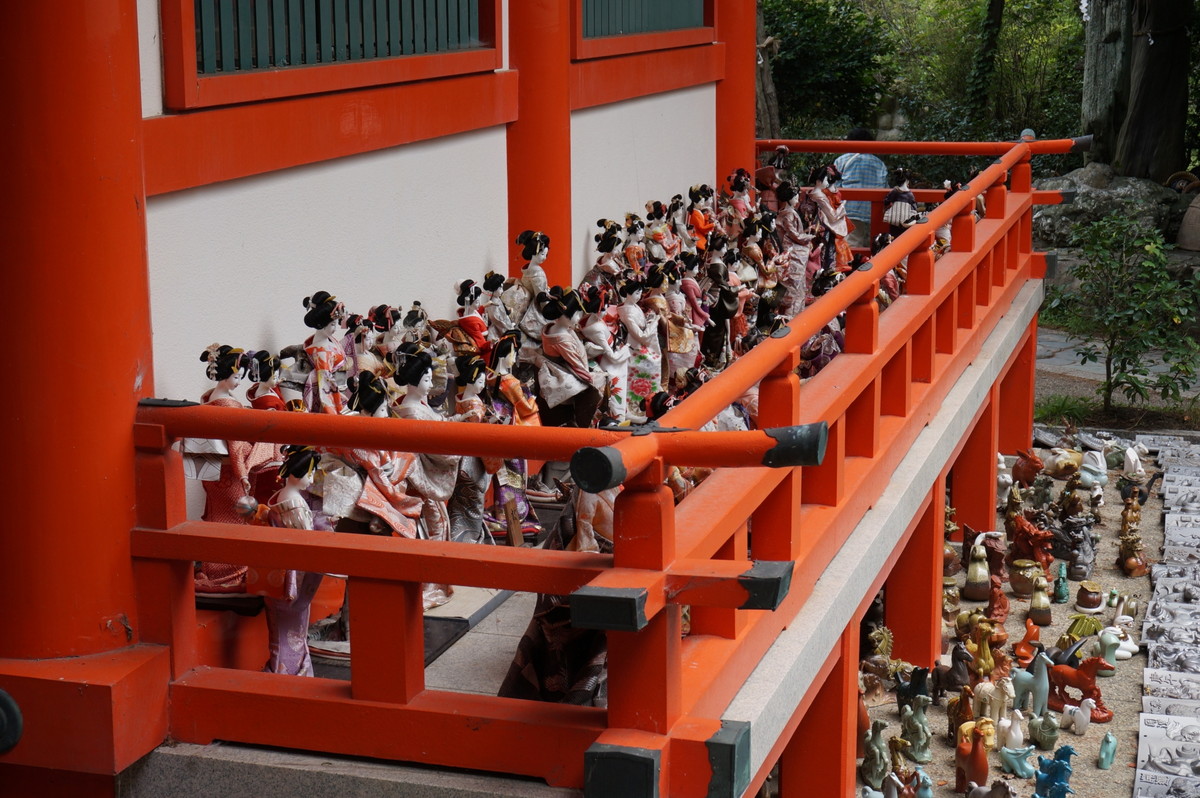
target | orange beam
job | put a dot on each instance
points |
(638, 74)
(384, 558)
(1042, 147)
(737, 29)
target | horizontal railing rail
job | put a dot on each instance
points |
(743, 549)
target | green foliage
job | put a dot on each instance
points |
(1059, 409)
(1126, 304)
(832, 60)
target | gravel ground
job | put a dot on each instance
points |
(1121, 693)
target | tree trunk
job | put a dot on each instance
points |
(767, 125)
(979, 84)
(1151, 139)
(1106, 75)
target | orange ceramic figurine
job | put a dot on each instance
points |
(970, 761)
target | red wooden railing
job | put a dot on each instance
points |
(666, 691)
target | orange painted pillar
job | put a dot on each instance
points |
(820, 757)
(75, 232)
(539, 141)
(1016, 396)
(737, 28)
(973, 475)
(914, 588)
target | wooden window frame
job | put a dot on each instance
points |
(583, 49)
(184, 88)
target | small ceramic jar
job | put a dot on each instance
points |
(1021, 576)
(1090, 598)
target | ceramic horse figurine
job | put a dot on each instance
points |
(993, 699)
(921, 783)
(1035, 683)
(1016, 761)
(1052, 772)
(893, 787)
(1024, 650)
(984, 726)
(907, 689)
(970, 761)
(880, 662)
(1082, 679)
(1012, 735)
(952, 677)
(1077, 718)
(958, 712)
(875, 762)
(914, 727)
(999, 789)
(983, 663)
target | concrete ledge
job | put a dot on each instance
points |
(236, 771)
(775, 689)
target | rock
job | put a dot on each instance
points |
(1099, 193)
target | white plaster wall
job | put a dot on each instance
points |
(232, 263)
(624, 154)
(150, 55)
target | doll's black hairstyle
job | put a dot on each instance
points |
(688, 262)
(828, 171)
(784, 192)
(469, 367)
(492, 281)
(731, 257)
(532, 242)
(593, 298)
(676, 205)
(367, 392)
(655, 210)
(412, 361)
(630, 283)
(558, 303)
(880, 241)
(262, 366)
(508, 343)
(323, 308)
(468, 293)
(298, 461)
(384, 317)
(900, 175)
(697, 193)
(659, 404)
(717, 241)
(659, 275)
(633, 223)
(416, 315)
(739, 179)
(223, 361)
(609, 235)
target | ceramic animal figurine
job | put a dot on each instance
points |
(1083, 679)
(997, 608)
(1056, 771)
(1132, 468)
(1015, 760)
(1093, 473)
(1004, 481)
(958, 712)
(1062, 591)
(949, 678)
(916, 684)
(1011, 730)
(1077, 718)
(978, 582)
(897, 751)
(1027, 467)
(993, 699)
(1024, 650)
(1043, 731)
(866, 791)
(998, 789)
(984, 663)
(1105, 647)
(1126, 645)
(970, 761)
(875, 763)
(1031, 543)
(1108, 751)
(1062, 463)
(921, 783)
(1003, 663)
(1131, 558)
(1035, 683)
(893, 785)
(1039, 612)
(914, 727)
(985, 725)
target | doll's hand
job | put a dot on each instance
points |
(246, 486)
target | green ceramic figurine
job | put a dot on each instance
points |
(1108, 751)
(1062, 591)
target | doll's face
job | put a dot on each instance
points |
(232, 381)
(426, 381)
(479, 381)
(540, 256)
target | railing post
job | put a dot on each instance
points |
(920, 269)
(862, 322)
(389, 640)
(777, 520)
(644, 690)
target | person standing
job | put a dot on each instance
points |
(860, 170)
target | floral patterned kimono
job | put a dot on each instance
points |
(288, 614)
(797, 244)
(645, 364)
(322, 391)
(511, 404)
(832, 214)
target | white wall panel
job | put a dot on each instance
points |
(232, 263)
(150, 56)
(624, 154)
